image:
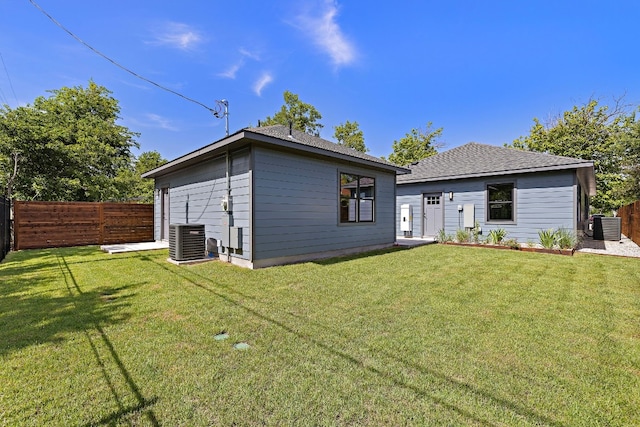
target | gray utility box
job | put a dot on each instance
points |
(232, 237)
(186, 242)
(607, 228)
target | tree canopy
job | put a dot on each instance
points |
(607, 136)
(350, 135)
(303, 116)
(416, 145)
(67, 146)
(131, 186)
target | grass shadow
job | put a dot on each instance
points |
(358, 360)
(29, 318)
(360, 255)
(108, 296)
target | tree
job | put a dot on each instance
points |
(629, 142)
(68, 146)
(416, 145)
(591, 132)
(350, 135)
(303, 116)
(131, 185)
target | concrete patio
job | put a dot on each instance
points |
(134, 247)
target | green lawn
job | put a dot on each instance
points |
(435, 335)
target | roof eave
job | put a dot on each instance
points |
(211, 149)
(588, 179)
(194, 156)
(581, 165)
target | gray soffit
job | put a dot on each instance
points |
(277, 135)
(477, 160)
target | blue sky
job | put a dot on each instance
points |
(482, 70)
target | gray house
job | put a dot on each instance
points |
(519, 191)
(272, 195)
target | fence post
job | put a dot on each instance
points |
(630, 219)
(5, 226)
(101, 222)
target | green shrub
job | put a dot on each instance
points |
(462, 236)
(547, 238)
(497, 236)
(561, 238)
(475, 233)
(443, 237)
(512, 243)
(566, 239)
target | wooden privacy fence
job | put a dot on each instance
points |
(56, 224)
(630, 221)
(5, 226)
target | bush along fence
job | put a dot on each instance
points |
(5, 226)
(630, 221)
(56, 224)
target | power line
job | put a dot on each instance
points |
(212, 110)
(3, 98)
(9, 78)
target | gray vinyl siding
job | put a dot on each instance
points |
(196, 192)
(241, 196)
(542, 201)
(296, 201)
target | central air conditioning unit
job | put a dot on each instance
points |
(186, 242)
(607, 228)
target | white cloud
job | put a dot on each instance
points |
(160, 122)
(249, 54)
(179, 36)
(230, 73)
(325, 33)
(263, 81)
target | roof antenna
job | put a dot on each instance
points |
(219, 114)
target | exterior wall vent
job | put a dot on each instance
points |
(186, 242)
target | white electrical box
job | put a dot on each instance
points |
(469, 216)
(225, 204)
(406, 218)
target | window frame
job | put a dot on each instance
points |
(358, 199)
(488, 202)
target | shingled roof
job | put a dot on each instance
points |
(276, 136)
(477, 160)
(282, 132)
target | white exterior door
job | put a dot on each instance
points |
(432, 218)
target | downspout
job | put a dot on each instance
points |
(228, 211)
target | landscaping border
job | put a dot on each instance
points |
(568, 252)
